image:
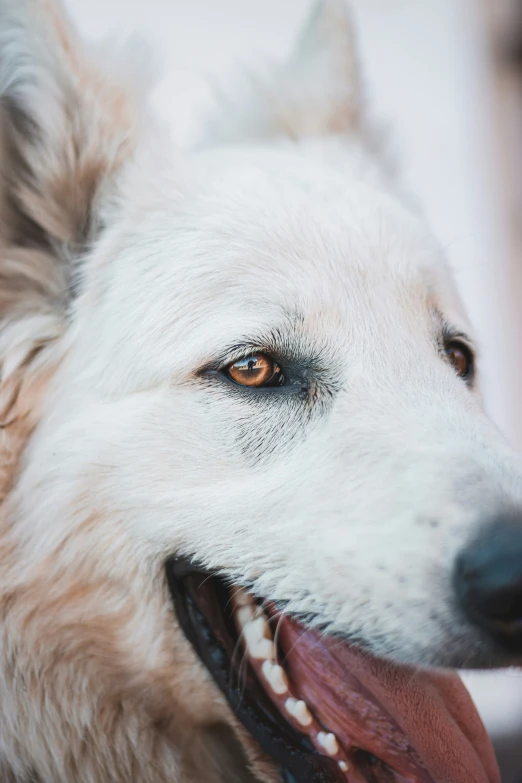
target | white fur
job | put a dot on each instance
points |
(352, 507)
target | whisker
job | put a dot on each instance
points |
(238, 667)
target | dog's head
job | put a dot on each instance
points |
(250, 363)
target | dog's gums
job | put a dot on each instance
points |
(325, 710)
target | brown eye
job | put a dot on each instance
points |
(255, 371)
(461, 358)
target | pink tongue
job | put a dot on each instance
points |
(422, 724)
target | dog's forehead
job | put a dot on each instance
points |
(282, 230)
(289, 215)
(291, 247)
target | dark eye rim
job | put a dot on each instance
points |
(296, 378)
(460, 342)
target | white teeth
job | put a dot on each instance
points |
(258, 628)
(244, 607)
(299, 711)
(256, 634)
(263, 650)
(245, 614)
(276, 677)
(256, 631)
(328, 742)
(260, 645)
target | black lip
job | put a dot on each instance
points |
(201, 600)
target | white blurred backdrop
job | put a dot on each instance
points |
(429, 75)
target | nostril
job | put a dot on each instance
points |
(488, 581)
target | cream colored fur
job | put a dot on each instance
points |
(125, 269)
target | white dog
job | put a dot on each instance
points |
(247, 484)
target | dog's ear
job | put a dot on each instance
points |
(316, 92)
(67, 128)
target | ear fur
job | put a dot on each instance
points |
(316, 92)
(67, 127)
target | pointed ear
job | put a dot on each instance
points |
(67, 128)
(317, 92)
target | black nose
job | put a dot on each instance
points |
(488, 582)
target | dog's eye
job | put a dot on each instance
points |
(255, 371)
(461, 358)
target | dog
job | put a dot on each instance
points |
(252, 510)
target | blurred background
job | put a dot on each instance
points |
(446, 76)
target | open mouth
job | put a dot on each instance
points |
(323, 709)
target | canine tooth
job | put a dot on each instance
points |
(328, 742)
(275, 676)
(299, 711)
(344, 766)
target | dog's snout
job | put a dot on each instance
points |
(488, 582)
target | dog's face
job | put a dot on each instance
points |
(265, 370)
(343, 473)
